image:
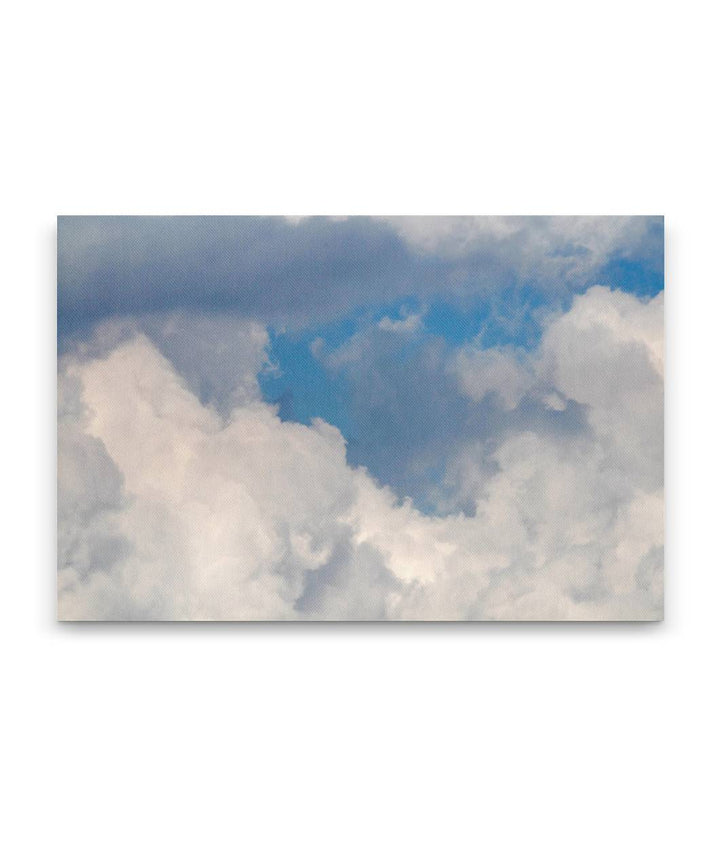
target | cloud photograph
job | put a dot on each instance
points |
(360, 418)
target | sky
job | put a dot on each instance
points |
(360, 418)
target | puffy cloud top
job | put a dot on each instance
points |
(172, 507)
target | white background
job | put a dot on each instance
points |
(359, 739)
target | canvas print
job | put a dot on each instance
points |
(360, 418)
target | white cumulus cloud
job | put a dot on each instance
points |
(171, 509)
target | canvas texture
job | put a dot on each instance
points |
(360, 418)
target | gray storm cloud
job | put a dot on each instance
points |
(304, 271)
